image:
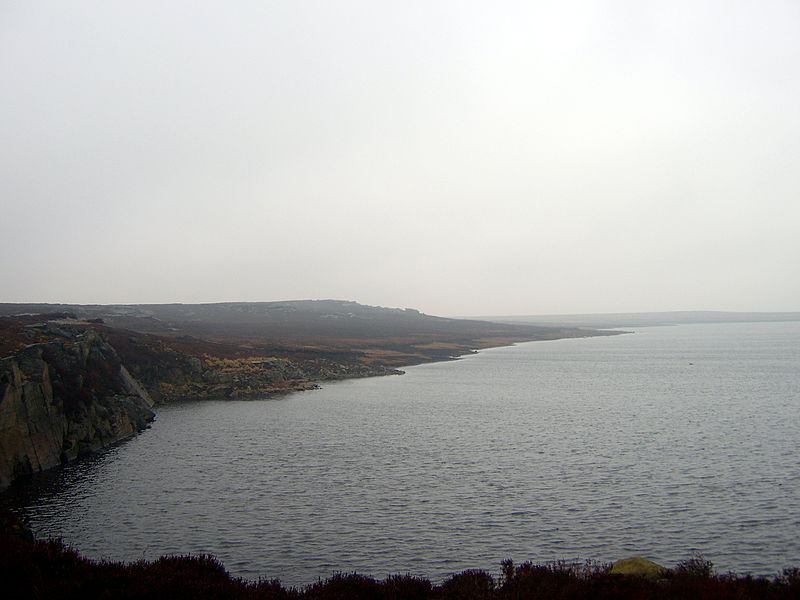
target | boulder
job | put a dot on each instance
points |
(638, 566)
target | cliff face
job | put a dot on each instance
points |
(68, 389)
(64, 399)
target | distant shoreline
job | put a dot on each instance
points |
(647, 319)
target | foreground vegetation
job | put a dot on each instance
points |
(49, 569)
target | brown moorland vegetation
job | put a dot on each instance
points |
(335, 330)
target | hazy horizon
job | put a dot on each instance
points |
(794, 314)
(459, 158)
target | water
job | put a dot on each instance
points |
(661, 443)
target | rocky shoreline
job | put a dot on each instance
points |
(73, 383)
(65, 399)
(81, 388)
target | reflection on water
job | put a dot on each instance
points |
(670, 440)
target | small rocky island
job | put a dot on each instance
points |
(75, 379)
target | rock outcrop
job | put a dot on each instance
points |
(70, 388)
(63, 399)
(638, 566)
(172, 375)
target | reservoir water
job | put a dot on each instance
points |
(662, 442)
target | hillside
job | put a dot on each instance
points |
(75, 379)
(333, 329)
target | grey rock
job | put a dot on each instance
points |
(63, 399)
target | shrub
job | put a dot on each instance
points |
(469, 584)
(696, 566)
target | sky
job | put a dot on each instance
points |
(459, 157)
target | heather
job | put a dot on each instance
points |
(50, 569)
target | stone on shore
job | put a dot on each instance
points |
(638, 566)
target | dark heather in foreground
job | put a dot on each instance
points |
(49, 569)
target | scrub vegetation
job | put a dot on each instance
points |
(50, 569)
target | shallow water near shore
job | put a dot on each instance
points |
(662, 442)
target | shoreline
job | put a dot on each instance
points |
(76, 386)
(732, 561)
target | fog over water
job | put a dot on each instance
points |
(579, 156)
(660, 443)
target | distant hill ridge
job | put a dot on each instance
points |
(646, 319)
(289, 321)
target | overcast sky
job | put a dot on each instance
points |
(457, 157)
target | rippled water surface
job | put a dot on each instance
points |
(665, 441)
